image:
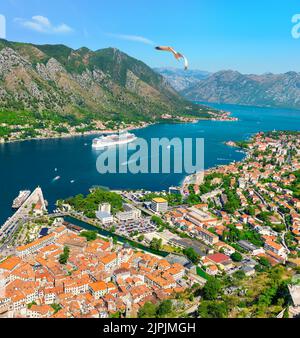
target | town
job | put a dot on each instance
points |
(227, 245)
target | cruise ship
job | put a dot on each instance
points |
(112, 140)
(18, 201)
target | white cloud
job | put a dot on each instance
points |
(42, 24)
(135, 38)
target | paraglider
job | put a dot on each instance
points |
(176, 54)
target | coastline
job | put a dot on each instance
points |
(185, 182)
(225, 117)
(80, 134)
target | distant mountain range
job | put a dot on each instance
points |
(181, 79)
(103, 84)
(274, 90)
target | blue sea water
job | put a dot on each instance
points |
(25, 165)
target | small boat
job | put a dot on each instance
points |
(72, 181)
(56, 178)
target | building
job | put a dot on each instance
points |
(294, 309)
(278, 249)
(104, 217)
(30, 248)
(130, 213)
(98, 289)
(105, 207)
(159, 205)
(207, 236)
(249, 270)
(104, 213)
(251, 248)
(175, 190)
(219, 258)
(201, 218)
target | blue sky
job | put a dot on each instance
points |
(248, 36)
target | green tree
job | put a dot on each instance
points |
(164, 308)
(236, 257)
(56, 307)
(89, 235)
(211, 289)
(209, 309)
(191, 255)
(147, 311)
(141, 238)
(63, 258)
(156, 244)
(263, 261)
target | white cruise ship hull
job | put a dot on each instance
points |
(105, 143)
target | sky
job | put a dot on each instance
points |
(250, 36)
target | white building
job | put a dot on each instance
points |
(159, 205)
(105, 207)
(130, 213)
(104, 217)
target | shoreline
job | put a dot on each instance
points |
(65, 136)
(222, 118)
(184, 184)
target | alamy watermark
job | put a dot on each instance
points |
(156, 156)
(296, 27)
(2, 27)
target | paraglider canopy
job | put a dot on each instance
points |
(176, 54)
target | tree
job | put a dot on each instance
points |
(240, 274)
(141, 238)
(191, 255)
(212, 309)
(211, 289)
(63, 258)
(147, 311)
(236, 257)
(90, 203)
(156, 244)
(263, 261)
(89, 235)
(56, 307)
(164, 308)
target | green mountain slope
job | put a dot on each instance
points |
(103, 85)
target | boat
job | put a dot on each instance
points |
(113, 140)
(22, 197)
(56, 178)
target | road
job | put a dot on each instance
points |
(138, 205)
(260, 197)
(283, 234)
(192, 309)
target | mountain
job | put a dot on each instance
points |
(281, 90)
(181, 79)
(105, 84)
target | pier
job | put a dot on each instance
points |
(20, 216)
